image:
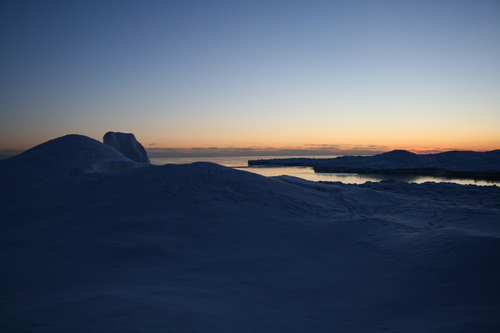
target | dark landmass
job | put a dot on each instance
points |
(480, 165)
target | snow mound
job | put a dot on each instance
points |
(395, 159)
(69, 154)
(126, 144)
(205, 248)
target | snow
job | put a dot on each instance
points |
(127, 144)
(453, 163)
(205, 248)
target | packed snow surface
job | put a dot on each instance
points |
(127, 144)
(454, 163)
(86, 247)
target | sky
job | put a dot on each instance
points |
(243, 76)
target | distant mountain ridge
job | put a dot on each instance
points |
(451, 163)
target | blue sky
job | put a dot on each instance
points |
(253, 74)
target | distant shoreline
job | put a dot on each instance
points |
(417, 172)
(457, 164)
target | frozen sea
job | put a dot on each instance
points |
(241, 163)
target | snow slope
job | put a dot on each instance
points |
(205, 248)
(452, 163)
(70, 154)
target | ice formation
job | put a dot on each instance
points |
(126, 144)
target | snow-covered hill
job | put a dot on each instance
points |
(452, 163)
(92, 243)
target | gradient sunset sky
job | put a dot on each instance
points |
(319, 75)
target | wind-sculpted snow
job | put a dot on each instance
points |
(71, 154)
(454, 163)
(205, 248)
(127, 144)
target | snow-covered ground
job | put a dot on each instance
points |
(93, 242)
(483, 165)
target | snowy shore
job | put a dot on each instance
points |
(480, 165)
(94, 242)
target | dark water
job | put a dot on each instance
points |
(241, 163)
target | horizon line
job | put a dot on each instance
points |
(305, 150)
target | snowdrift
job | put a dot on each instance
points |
(453, 163)
(71, 154)
(205, 248)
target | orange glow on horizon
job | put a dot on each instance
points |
(339, 142)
